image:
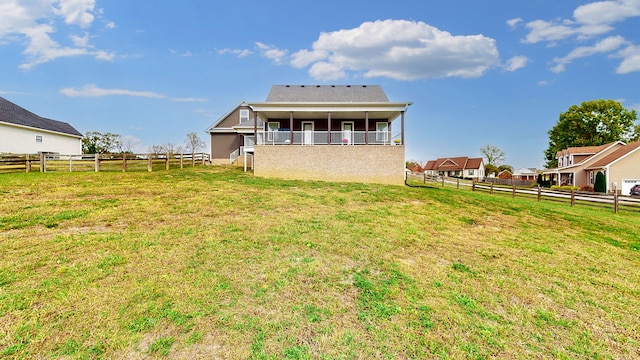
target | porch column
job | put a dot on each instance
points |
(402, 127)
(291, 128)
(255, 129)
(366, 128)
(329, 128)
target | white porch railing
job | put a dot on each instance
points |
(233, 156)
(322, 138)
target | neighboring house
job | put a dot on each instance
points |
(573, 162)
(23, 132)
(319, 132)
(464, 167)
(621, 168)
(530, 174)
(505, 174)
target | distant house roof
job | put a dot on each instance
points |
(583, 150)
(614, 156)
(327, 93)
(453, 164)
(13, 114)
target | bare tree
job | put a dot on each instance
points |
(194, 143)
(493, 155)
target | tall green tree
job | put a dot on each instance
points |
(95, 142)
(595, 122)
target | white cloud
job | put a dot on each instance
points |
(631, 60)
(76, 12)
(514, 22)
(238, 52)
(271, 52)
(589, 23)
(516, 62)
(92, 90)
(606, 12)
(603, 46)
(80, 41)
(398, 49)
(36, 21)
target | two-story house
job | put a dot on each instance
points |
(619, 162)
(319, 132)
(23, 132)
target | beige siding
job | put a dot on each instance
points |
(21, 140)
(356, 163)
(627, 168)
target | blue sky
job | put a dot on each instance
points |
(493, 72)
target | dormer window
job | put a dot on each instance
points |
(244, 116)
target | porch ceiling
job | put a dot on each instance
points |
(387, 111)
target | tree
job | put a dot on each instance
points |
(593, 123)
(193, 143)
(600, 184)
(493, 155)
(95, 142)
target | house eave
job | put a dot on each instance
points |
(41, 130)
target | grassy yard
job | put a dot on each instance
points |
(214, 263)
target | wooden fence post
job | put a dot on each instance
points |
(539, 193)
(27, 164)
(203, 159)
(43, 167)
(96, 162)
(166, 162)
(124, 162)
(573, 198)
(424, 178)
(473, 185)
(513, 192)
(458, 184)
(616, 204)
(491, 191)
(149, 163)
(181, 160)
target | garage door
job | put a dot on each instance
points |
(627, 185)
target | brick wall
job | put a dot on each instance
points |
(352, 163)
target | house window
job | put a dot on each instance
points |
(39, 138)
(470, 172)
(590, 177)
(244, 116)
(382, 131)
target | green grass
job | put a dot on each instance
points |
(215, 263)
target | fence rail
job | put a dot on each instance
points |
(98, 162)
(612, 201)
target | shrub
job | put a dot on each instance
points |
(586, 188)
(600, 184)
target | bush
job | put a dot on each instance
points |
(586, 188)
(564, 187)
(600, 184)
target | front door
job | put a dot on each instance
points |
(307, 133)
(347, 132)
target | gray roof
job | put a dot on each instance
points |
(327, 93)
(14, 114)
